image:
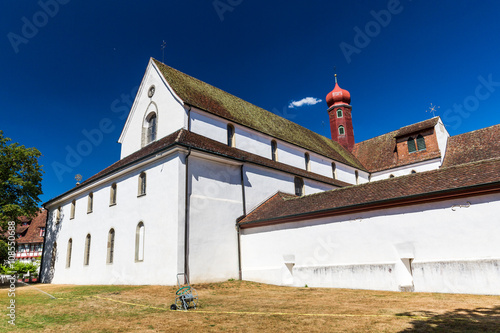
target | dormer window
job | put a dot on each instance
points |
(151, 128)
(421, 142)
(339, 113)
(341, 130)
(411, 145)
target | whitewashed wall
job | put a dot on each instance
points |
(442, 136)
(215, 128)
(158, 210)
(171, 114)
(214, 205)
(407, 169)
(450, 251)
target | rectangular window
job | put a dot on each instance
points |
(42, 232)
(112, 195)
(142, 184)
(90, 203)
(86, 255)
(72, 212)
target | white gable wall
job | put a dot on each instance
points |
(158, 210)
(171, 114)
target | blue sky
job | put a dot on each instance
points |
(67, 65)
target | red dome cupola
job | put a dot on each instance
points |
(339, 111)
(338, 96)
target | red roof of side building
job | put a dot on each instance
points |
(455, 181)
(377, 154)
(31, 233)
(473, 146)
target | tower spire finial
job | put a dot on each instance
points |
(335, 71)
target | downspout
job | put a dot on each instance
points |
(43, 245)
(186, 216)
(240, 276)
(186, 204)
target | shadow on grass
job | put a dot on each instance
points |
(459, 320)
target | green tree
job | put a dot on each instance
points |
(20, 181)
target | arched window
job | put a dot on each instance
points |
(339, 113)
(413, 171)
(299, 186)
(68, 253)
(334, 170)
(54, 258)
(90, 203)
(411, 145)
(112, 194)
(151, 128)
(391, 176)
(73, 206)
(370, 177)
(230, 135)
(142, 184)
(86, 254)
(356, 175)
(139, 242)
(307, 159)
(420, 142)
(111, 246)
(58, 214)
(274, 150)
(341, 130)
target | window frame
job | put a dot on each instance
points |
(412, 147)
(86, 253)
(139, 241)
(69, 251)
(112, 194)
(90, 203)
(231, 135)
(142, 184)
(152, 127)
(72, 210)
(339, 111)
(110, 250)
(274, 150)
(420, 141)
(341, 130)
(298, 183)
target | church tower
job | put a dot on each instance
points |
(339, 111)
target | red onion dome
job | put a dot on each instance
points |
(338, 96)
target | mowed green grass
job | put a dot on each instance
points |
(239, 306)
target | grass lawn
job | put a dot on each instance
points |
(246, 307)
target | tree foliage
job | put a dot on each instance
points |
(20, 181)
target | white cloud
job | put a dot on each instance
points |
(304, 101)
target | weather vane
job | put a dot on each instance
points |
(163, 45)
(78, 178)
(432, 109)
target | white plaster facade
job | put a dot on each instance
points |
(194, 198)
(369, 250)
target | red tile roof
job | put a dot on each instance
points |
(31, 232)
(378, 153)
(195, 141)
(402, 190)
(473, 146)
